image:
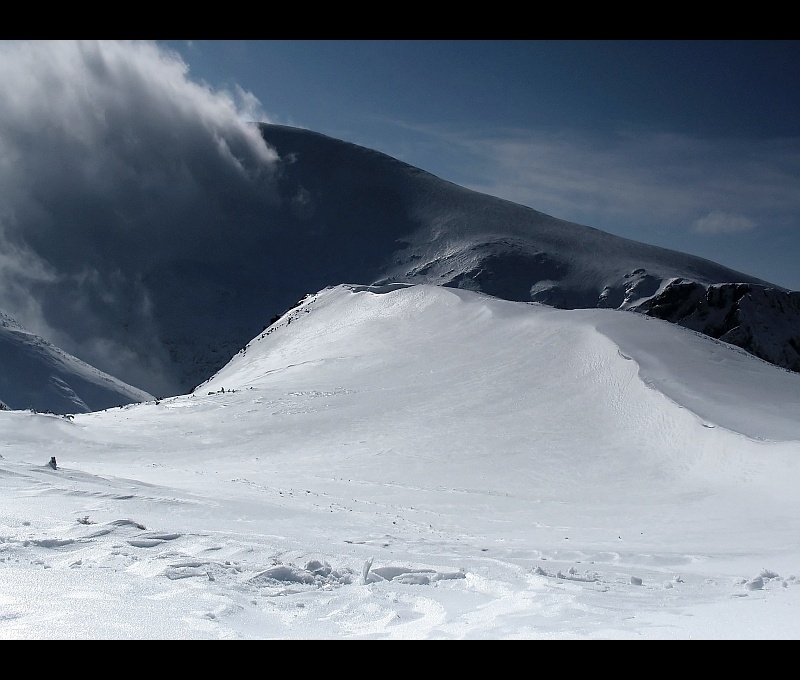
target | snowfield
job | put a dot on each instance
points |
(419, 462)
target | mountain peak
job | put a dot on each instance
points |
(170, 306)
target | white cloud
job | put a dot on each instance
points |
(249, 106)
(718, 222)
(113, 159)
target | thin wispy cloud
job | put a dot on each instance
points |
(723, 223)
(249, 107)
(635, 177)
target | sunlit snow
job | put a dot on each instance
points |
(418, 462)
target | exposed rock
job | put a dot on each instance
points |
(762, 320)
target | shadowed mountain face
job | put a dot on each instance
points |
(416, 228)
(333, 212)
(39, 376)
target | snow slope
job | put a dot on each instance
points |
(37, 375)
(419, 462)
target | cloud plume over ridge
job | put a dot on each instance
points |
(112, 160)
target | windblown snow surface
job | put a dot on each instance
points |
(419, 462)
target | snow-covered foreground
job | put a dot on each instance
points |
(419, 462)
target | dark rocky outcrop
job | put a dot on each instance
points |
(762, 320)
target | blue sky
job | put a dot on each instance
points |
(690, 145)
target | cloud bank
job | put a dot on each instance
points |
(112, 162)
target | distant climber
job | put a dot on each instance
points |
(52, 463)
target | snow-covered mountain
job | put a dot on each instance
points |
(170, 304)
(407, 331)
(419, 462)
(39, 376)
(351, 214)
(420, 229)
